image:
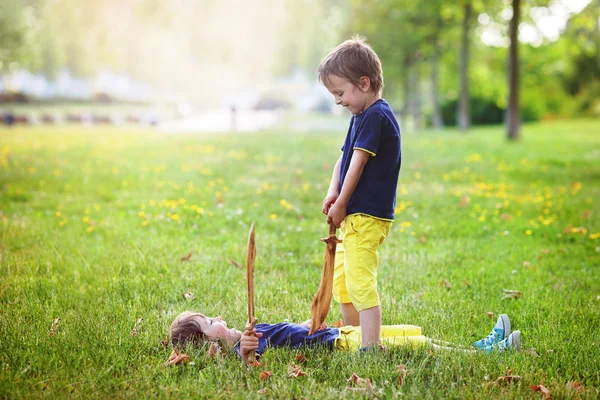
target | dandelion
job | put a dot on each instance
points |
(174, 217)
(405, 224)
(86, 220)
(481, 218)
(528, 232)
(273, 216)
(141, 214)
(90, 229)
(595, 236)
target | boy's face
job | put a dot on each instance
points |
(355, 99)
(216, 328)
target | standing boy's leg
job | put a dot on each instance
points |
(370, 325)
(363, 236)
(349, 314)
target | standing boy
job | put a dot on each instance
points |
(362, 194)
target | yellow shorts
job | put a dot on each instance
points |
(350, 338)
(356, 260)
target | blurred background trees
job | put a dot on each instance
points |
(445, 63)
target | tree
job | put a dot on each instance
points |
(464, 115)
(514, 117)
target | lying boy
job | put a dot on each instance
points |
(197, 328)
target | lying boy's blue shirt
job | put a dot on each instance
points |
(375, 131)
(290, 335)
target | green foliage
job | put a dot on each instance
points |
(94, 223)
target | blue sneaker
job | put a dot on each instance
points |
(500, 332)
(512, 342)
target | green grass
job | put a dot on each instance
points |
(94, 223)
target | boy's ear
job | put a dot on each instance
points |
(364, 83)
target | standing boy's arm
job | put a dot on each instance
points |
(333, 192)
(337, 212)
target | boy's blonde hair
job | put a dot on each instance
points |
(352, 60)
(185, 328)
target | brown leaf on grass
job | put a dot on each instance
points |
(300, 217)
(338, 324)
(236, 264)
(464, 201)
(255, 364)
(423, 239)
(214, 350)
(136, 327)
(511, 294)
(568, 229)
(506, 217)
(526, 264)
(264, 375)
(177, 358)
(532, 352)
(491, 315)
(508, 379)
(543, 389)
(187, 257)
(575, 386)
(295, 371)
(54, 327)
(401, 374)
(445, 284)
(545, 251)
(587, 214)
(300, 358)
(361, 385)
(188, 296)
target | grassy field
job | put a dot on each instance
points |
(94, 223)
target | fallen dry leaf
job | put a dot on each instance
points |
(237, 264)
(575, 386)
(543, 389)
(188, 296)
(422, 239)
(295, 371)
(532, 352)
(587, 214)
(176, 358)
(264, 375)
(401, 374)
(187, 257)
(464, 201)
(511, 294)
(526, 263)
(491, 315)
(362, 385)
(567, 229)
(508, 379)
(545, 251)
(445, 284)
(255, 364)
(137, 326)
(340, 323)
(506, 217)
(214, 350)
(54, 327)
(300, 358)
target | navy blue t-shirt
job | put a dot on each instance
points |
(286, 334)
(375, 131)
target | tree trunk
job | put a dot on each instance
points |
(464, 114)
(438, 122)
(417, 113)
(514, 117)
